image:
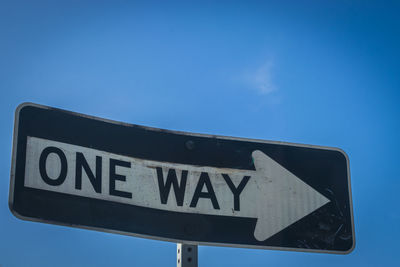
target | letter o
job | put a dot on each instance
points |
(42, 165)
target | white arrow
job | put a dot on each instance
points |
(271, 194)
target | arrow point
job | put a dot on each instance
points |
(283, 198)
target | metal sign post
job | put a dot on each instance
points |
(187, 255)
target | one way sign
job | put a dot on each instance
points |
(77, 170)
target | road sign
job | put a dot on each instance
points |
(76, 170)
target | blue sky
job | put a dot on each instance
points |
(308, 72)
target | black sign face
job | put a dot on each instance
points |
(76, 170)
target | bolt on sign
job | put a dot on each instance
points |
(76, 170)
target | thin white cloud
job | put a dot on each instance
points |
(261, 79)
